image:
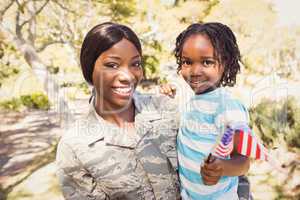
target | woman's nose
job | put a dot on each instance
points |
(125, 75)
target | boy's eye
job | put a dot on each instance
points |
(187, 62)
(208, 63)
(111, 65)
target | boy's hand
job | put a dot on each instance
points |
(211, 171)
(168, 89)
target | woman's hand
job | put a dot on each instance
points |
(168, 90)
(212, 170)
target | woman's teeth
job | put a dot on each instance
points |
(122, 90)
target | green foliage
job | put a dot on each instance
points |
(67, 84)
(273, 118)
(36, 100)
(8, 67)
(154, 44)
(32, 101)
(83, 86)
(151, 66)
(150, 60)
(13, 104)
(53, 69)
(119, 10)
(163, 80)
(292, 136)
(211, 4)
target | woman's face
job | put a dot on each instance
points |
(116, 74)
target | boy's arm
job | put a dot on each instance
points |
(238, 165)
(212, 172)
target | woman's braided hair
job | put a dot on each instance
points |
(226, 50)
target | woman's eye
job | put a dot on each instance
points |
(187, 62)
(208, 63)
(137, 64)
(111, 65)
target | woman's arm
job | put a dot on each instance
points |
(76, 183)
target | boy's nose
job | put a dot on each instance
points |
(196, 69)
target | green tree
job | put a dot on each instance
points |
(118, 10)
(8, 60)
(36, 25)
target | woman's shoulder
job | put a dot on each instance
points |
(155, 102)
(83, 130)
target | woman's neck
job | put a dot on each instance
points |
(121, 117)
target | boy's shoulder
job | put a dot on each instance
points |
(227, 100)
(231, 110)
(216, 101)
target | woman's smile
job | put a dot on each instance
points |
(124, 91)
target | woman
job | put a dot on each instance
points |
(124, 148)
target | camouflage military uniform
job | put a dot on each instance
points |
(98, 160)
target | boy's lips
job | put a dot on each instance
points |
(197, 82)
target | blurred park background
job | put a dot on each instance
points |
(42, 89)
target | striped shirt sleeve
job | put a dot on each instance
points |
(231, 113)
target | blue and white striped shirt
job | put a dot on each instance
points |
(203, 120)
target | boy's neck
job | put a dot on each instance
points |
(208, 90)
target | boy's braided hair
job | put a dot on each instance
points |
(226, 50)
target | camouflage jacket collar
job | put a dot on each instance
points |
(114, 135)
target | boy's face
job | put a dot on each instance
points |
(199, 67)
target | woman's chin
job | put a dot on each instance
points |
(122, 100)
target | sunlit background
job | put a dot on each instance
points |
(42, 89)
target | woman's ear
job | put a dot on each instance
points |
(93, 95)
(179, 71)
(143, 75)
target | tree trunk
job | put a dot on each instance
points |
(50, 85)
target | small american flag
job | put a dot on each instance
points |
(225, 146)
(247, 145)
(250, 147)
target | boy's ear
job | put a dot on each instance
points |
(222, 69)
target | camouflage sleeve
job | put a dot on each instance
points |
(75, 182)
(168, 127)
(169, 108)
(244, 191)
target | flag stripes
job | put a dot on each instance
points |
(250, 147)
(247, 145)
